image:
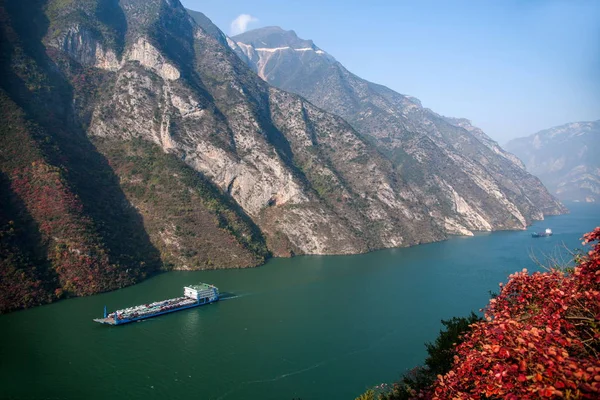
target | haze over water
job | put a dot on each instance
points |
(309, 327)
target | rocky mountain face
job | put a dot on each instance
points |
(81, 214)
(565, 158)
(464, 178)
(138, 141)
(135, 140)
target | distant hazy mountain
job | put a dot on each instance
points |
(469, 181)
(566, 158)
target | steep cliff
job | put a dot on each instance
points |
(80, 216)
(305, 177)
(565, 158)
(466, 179)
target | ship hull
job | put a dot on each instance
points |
(111, 321)
(538, 235)
(194, 296)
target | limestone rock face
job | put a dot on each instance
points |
(310, 182)
(82, 46)
(565, 158)
(148, 56)
(465, 179)
(80, 43)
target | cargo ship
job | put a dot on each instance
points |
(546, 233)
(193, 296)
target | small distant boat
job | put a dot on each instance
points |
(546, 233)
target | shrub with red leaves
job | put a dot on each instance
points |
(75, 250)
(541, 338)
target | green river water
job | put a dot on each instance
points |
(309, 327)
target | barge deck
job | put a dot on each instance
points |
(194, 296)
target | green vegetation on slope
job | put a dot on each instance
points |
(189, 220)
(45, 218)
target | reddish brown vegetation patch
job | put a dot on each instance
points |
(541, 338)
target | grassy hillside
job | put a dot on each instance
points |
(189, 220)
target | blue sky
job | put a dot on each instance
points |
(512, 67)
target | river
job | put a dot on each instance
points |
(310, 327)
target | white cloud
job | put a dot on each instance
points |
(240, 24)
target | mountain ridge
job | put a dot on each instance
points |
(408, 133)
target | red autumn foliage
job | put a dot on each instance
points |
(541, 339)
(74, 249)
(21, 283)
